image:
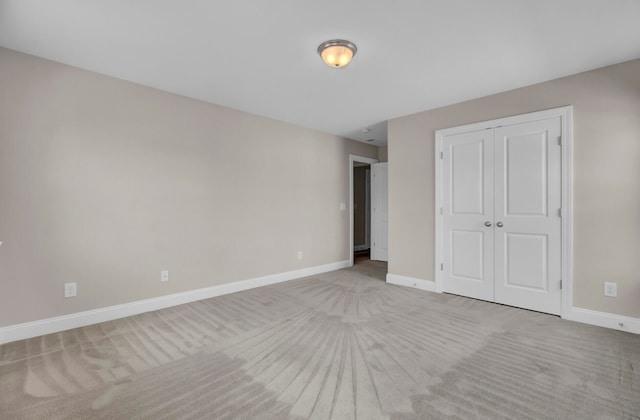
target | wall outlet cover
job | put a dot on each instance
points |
(164, 275)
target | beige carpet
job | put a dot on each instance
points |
(340, 345)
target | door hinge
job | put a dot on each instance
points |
(441, 211)
(560, 284)
(560, 212)
(441, 155)
(441, 267)
(559, 140)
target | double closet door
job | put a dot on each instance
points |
(501, 215)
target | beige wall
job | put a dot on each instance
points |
(105, 183)
(606, 179)
(383, 153)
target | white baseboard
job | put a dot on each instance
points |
(428, 285)
(603, 319)
(585, 316)
(81, 319)
(357, 248)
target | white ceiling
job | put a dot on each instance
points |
(259, 56)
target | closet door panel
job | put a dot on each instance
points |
(527, 219)
(467, 206)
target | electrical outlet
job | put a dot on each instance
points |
(610, 289)
(299, 255)
(70, 289)
(343, 206)
(164, 275)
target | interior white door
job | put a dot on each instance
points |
(527, 215)
(467, 176)
(501, 219)
(380, 212)
(367, 209)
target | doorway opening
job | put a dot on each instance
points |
(361, 212)
(367, 229)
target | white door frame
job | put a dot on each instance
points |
(352, 159)
(566, 116)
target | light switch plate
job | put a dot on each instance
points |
(164, 275)
(70, 289)
(610, 289)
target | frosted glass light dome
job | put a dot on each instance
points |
(337, 53)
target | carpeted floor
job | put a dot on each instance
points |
(340, 345)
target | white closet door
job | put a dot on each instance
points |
(467, 248)
(380, 211)
(501, 221)
(527, 218)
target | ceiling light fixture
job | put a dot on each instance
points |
(337, 52)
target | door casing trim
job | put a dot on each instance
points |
(566, 117)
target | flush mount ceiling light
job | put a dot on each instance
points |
(337, 52)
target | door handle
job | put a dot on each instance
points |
(487, 224)
(499, 224)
